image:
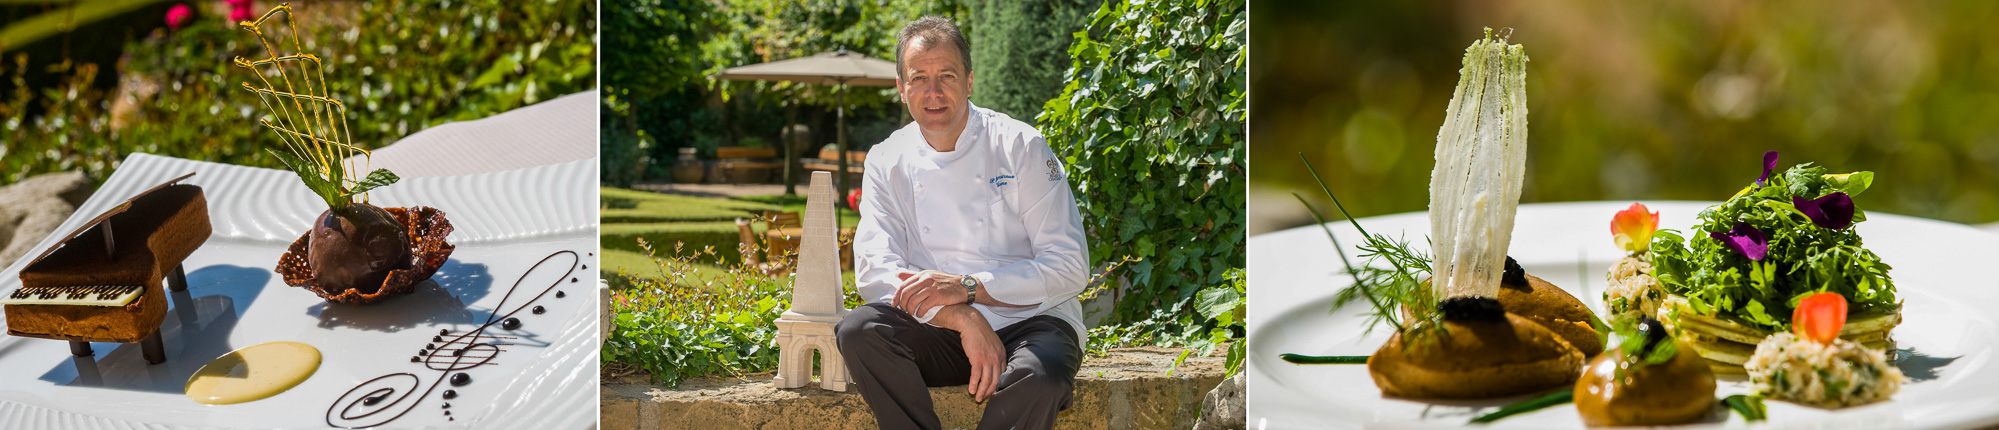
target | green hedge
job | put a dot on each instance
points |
(400, 66)
(1151, 125)
(1020, 49)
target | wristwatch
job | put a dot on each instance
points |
(971, 288)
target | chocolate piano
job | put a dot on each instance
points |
(102, 283)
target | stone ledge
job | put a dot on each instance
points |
(1128, 389)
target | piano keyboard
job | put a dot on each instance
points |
(75, 295)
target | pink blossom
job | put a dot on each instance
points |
(242, 10)
(178, 15)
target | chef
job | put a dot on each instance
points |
(969, 251)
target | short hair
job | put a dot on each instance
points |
(929, 28)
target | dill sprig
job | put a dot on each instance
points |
(1397, 293)
(310, 121)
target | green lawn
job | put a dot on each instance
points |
(631, 206)
(696, 224)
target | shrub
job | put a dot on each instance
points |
(1151, 126)
(694, 321)
(400, 66)
(677, 328)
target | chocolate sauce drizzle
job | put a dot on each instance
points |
(357, 411)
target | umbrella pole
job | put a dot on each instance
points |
(843, 143)
(788, 139)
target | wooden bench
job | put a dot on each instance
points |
(829, 161)
(745, 165)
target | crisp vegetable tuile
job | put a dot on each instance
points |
(1481, 158)
(1819, 317)
(1632, 228)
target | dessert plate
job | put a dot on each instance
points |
(525, 240)
(1946, 342)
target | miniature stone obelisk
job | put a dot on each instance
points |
(815, 298)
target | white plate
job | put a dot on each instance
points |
(1939, 269)
(506, 223)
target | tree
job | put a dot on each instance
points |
(1020, 49)
(653, 68)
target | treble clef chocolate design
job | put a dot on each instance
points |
(388, 397)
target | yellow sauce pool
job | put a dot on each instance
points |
(253, 373)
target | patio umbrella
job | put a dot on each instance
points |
(839, 69)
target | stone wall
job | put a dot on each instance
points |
(1128, 389)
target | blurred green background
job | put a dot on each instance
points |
(1634, 101)
(84, 83)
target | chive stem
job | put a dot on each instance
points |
(1751, 407)
(1324, 359)
(1538, 403)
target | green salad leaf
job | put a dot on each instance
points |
(1802, 259)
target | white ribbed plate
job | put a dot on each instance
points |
(507, 223)
(1293, 276)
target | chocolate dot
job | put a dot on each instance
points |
(438, 338)
(450, 394)
(460, 352)
(447, 413)
(447, 406)
(428, 346)
(559, 294)
(572, 280)
(586, 266)
(458, 380)
(510, 323)
(539, 310)
(413, 359)
(371, 401)
(421, 352)
(443, 332)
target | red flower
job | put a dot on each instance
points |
(242, 10)
(178, 15)
(854, 199)
(1819, 317)
(1632, 228)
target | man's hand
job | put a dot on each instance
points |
(982, 348)
(928, 289)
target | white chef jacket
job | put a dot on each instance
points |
(998, 208)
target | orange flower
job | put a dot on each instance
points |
(1819, 317)
(1632, 228)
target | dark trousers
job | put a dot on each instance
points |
(893, 359)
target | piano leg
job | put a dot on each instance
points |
(154, 351)
(178, 280)
(80, 348)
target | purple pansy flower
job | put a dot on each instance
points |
(1745, 239)
(1769, 162)
(1834, 211)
